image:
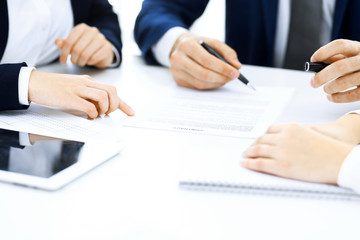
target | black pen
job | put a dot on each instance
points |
(315, 66)
(242, 78)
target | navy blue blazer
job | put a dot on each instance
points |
(97, 13)
(8, 139)
(250, 25)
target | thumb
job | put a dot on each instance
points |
(59, 42)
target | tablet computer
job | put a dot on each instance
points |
(48, 163)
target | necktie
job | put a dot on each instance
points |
(304, 32)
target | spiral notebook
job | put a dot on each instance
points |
(221, 173)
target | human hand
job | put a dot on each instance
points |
(298, 152)
(75, 92)
(193, 67)
(345, 58)
(345, 129)
(87, 46)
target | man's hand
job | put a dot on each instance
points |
(193, 67)
(345, 58)
(75, 92)
(87, 46)
(298, 152)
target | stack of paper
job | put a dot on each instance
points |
(54, 123)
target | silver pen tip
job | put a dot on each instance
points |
(251, 86)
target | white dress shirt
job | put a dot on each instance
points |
(349, 175)
(34, 25)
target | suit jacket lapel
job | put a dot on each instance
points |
(340, 8)
(4, 23)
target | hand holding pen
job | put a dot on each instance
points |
(340, 74)
(242, 78)
(193, 67)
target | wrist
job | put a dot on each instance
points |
(35, 88)
(32, 82)
(348, 176)
(351, 123)
(109, 57)
(181, 38)
(341, 154)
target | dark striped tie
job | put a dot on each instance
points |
(304, 32)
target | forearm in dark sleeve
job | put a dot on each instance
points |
(105, 19)
(9, 80)
(158, 16)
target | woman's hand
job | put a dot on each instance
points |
(87, 46)
(345, 129)
(75, 92)
(298, 152)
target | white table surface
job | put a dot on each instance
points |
(136, 194)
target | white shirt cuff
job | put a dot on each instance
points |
(24, 139)
(349, 175)
(162, 48)
(117, 58)
(356, 111)
(23, 83)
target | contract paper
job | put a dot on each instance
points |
(225, 111)
(55, 123)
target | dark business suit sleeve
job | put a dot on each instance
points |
(69, 155)
(8, 139)
(9, 93)
(158, 16)
(99, 14)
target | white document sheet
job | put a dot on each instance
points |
(224, 111)
(54, 123)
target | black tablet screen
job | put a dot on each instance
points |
(36, 155)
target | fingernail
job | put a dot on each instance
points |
(58, 43)
(131, 111)
(237, 62)
(234, 74)
(312, 59)
(312, 82)
(243, 162)
(329, 97)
